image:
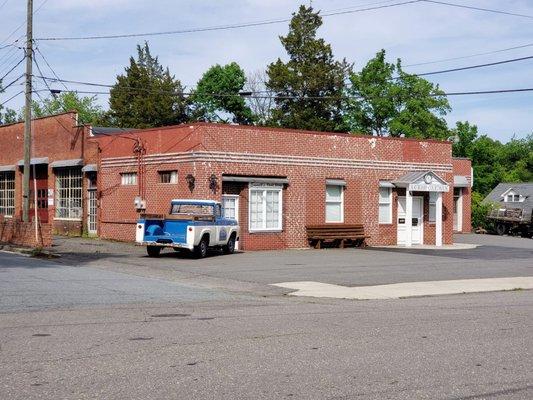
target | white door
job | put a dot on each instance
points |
(230, 209)
(457, 210)
(92, 213)
(417, 235)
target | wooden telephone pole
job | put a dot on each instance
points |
(27, 115)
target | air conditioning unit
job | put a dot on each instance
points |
(139, 203)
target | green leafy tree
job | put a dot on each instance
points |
(147, 95)
(8, 115)
(311, 75)
(89, 111)
(464, 135)
(386, 100)
(217, 96)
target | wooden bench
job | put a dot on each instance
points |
(340, 234)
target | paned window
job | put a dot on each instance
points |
(7, 193)
(128, 178)
(334, 203)
(69, 183)
(265, 208)
(385, 205)
(168, 176)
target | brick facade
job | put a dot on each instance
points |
(305, 159)
(56, 138)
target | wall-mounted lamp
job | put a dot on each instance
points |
(190, 181)
(213, 183)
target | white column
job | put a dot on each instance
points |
(408, 218)
(438, 220)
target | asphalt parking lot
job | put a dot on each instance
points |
(493, 258)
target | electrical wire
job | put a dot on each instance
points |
(469, 56)
(12, 97)
(479, 8)
(13, 82)
(22, 24)
(12, 69)
(475, 66)
(222, 27)
(50, 67)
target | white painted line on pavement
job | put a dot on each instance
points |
(407, 289)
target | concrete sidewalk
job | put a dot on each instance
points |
(408, 289)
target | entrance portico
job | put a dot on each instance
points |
(421, 181)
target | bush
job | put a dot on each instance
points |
(480, 211)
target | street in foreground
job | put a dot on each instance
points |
(107, 330)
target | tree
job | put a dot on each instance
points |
(386, 100)
(464, 135)
(217, 96)
(8, 116)
(147, 95)
(309, 87)
(261, 105)
(89, 111)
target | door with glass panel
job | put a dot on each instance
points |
(230, 209)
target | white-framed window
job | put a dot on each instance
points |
(385, 205)
(7, 193)
(432, 206)
(334, 203)
(168, 176)
(69, 184)
(512, 198)
(265, 208)
(128, 178)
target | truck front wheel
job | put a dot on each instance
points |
(501, 229)
(200, 251)
(153, 251)
(229, 248)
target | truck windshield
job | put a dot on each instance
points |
(194, 209)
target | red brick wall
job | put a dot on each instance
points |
(20, 233)
(57, 137)
(205, 149)
(463, 166)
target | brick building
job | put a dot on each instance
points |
(277, 181)
(274, 181)
(63, 162)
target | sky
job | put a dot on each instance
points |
(419, 32)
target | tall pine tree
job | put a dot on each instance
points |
(147, 95)
(309, 87)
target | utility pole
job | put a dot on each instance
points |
(27, 115)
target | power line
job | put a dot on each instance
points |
(314, 98)
(479, 8)
(23, 24)
(12, 69)
(469, 56)
(50, 67)
(475, 66)
(223, 27)
(13, 82)
(12, 97)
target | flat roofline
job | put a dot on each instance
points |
(39, 118)
(276, 129)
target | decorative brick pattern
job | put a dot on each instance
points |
(306, 159)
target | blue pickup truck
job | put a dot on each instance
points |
(195, 225)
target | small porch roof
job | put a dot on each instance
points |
(77, 162)
(7, 168)
(34, 161)
(422, 181)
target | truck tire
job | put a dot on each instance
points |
(229, 248)
(501, 229)
(200, 251)
(153, 251)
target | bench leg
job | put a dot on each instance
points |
(318, 244)
(342, 244)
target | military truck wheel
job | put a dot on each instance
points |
(229, 248)
(153, 251)
(200, 251)
(501, 229)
